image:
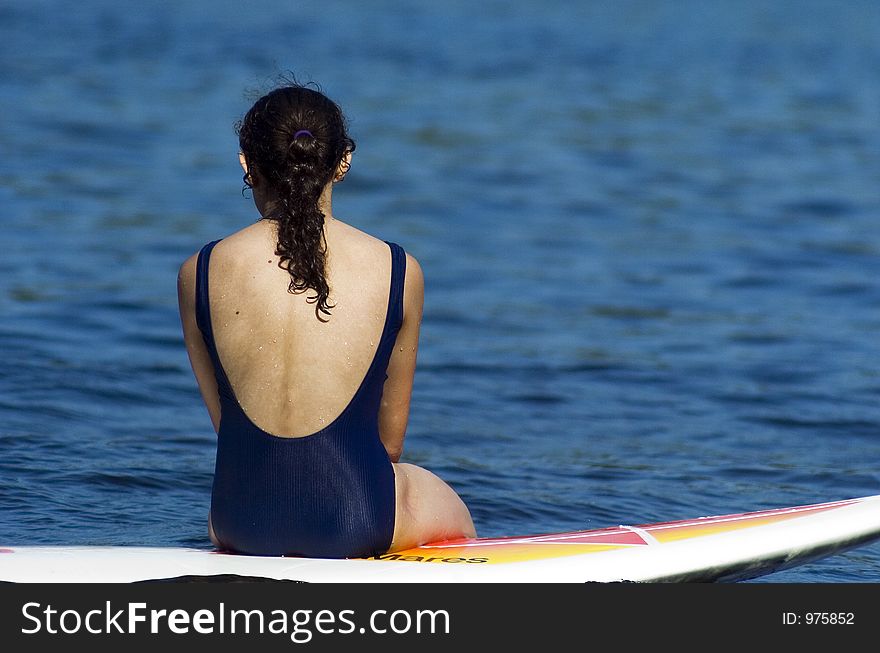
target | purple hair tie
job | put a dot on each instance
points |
(303, 132)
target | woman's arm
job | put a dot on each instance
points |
(199, 357)
(394, 410)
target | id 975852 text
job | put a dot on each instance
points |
(818, 618)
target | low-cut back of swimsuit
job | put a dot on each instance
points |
(327, 495)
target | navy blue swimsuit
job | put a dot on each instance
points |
(326, 495)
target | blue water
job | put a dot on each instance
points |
(649, 233)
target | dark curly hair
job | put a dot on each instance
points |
(295, 138)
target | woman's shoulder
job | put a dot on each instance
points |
(344, 236)
(366, 245)
(347, 234)
(186, 274)
(235, 250)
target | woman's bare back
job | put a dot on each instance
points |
(291, 373)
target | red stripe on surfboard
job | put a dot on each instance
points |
(611, 535)
(743, 516)
(622, 535)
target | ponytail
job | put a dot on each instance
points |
(295, 138)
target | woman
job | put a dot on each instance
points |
(302, 332)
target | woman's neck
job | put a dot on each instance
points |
(265, 202)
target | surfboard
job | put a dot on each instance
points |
(716, 548)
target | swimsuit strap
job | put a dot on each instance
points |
(394, 318)
(203, 317)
